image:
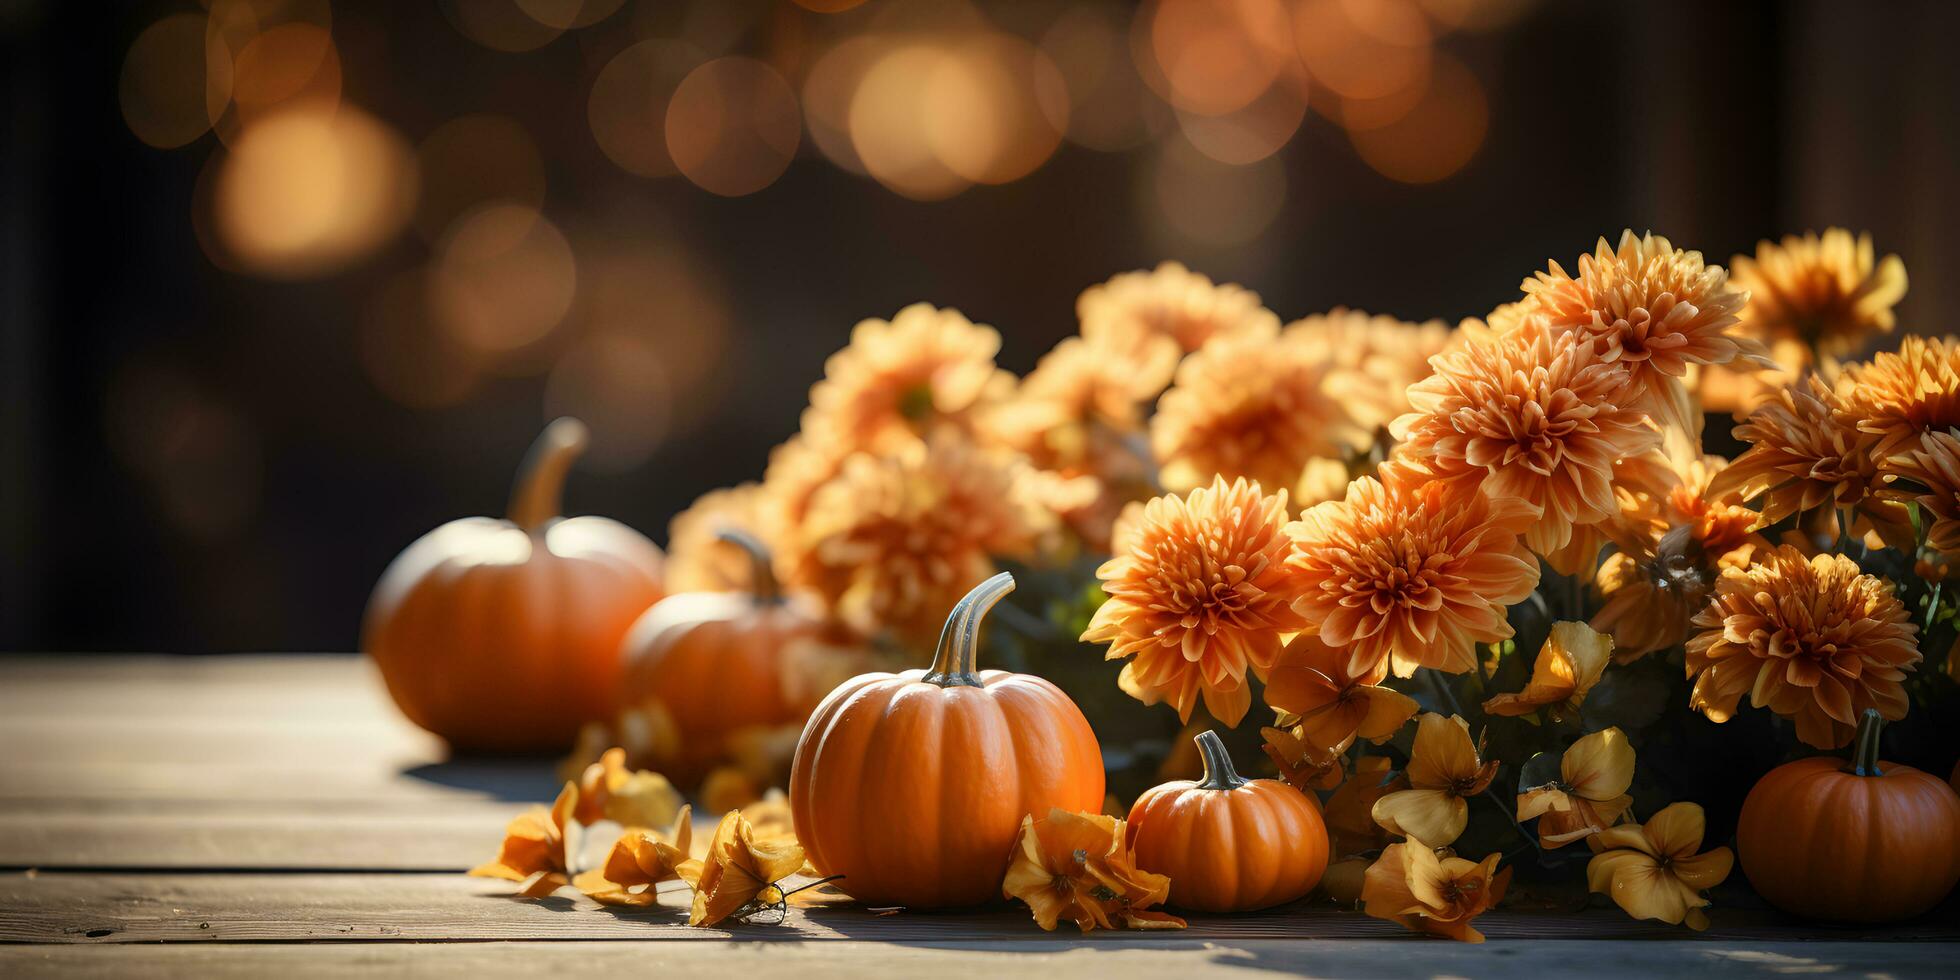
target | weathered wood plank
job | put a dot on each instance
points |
(851, 960)
(58, 907)
(452, 837)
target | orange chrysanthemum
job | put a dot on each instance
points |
(1830, 292)
(899, 381)
(893, 542)
(1310, 683)
(698, 560)
(1199, 593)
(1529, 416)
(1176, 302)
(1253, 407)
(1672, 547)
(1654, 308)
(1814, 640)
(1406, 573)
(1078, 867)
(1929, 475)
(1807, 455)
(1898, 397)
(1377, 357)
(797, 469)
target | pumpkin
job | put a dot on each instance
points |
(693, 650)
(1867, 842)
(1227, 843)
(912, 785)
(503, 635)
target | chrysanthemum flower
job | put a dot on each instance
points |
(1253, 407)
(1814, 640)
(1199, 593)
(1409, 884)
(1176, 302)
(1445, 770)
(1404, 573)
(1672, 548)
(698, 559)
(1654, 871)
(1929, 475)
(1652, 307)
(895, 541)
(899, 381)
(1377, 359)
(1831, 291)
(1531, 417)
(1807, 454)
(1590, 793)
(1900, 396)
(797, 469)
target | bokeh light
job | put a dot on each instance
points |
(1111, 109)
(617, 384)
(500, 25)
(890, 115)
(406, 355)
(628, 105)
(503, 279)
(162, 89)
(1254, 131)
(1438, 136)
(567, 15)
(1215, 56)
(472, 161)
(995, 108)
(286, 66)
(1211, 203)
(308, 190)
(828, 6)
(828, 89)
(733, 126)
(1363, 49)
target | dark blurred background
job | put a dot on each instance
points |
(284, 284)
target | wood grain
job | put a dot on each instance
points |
(1148, 959)
(58, 907)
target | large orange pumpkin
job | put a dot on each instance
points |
(503, 635)
(1868, 842)
(715, 660)
(913, 785)
(1228, 843)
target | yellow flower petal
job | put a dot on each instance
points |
(1431, 816)
(1599, 766)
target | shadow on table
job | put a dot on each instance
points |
(515, 780)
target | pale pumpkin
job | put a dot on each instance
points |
(503, 635)
(1227, 843)
(717, 660)
(1870, 841)
(913, 785)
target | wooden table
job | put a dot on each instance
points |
(254, 815)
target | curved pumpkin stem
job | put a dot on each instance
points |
(955, 663)
(541, 479)
(1219, 771)
(1864, 751)
(762, 571)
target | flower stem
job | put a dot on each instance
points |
(1442, 685)
(1529, 837)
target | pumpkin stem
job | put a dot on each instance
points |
(955, 663)
(541, 479)
(1864, 751)
(1219, 771)
(762, 573)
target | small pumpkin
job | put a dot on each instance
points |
(1229, 844)
(716, 660)
(503, 635)
(913, 785)
(1870, 841)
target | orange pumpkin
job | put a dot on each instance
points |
(913, 785)
(693, 650)
(1867, 842)
(503, 635)
(1228, 843)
